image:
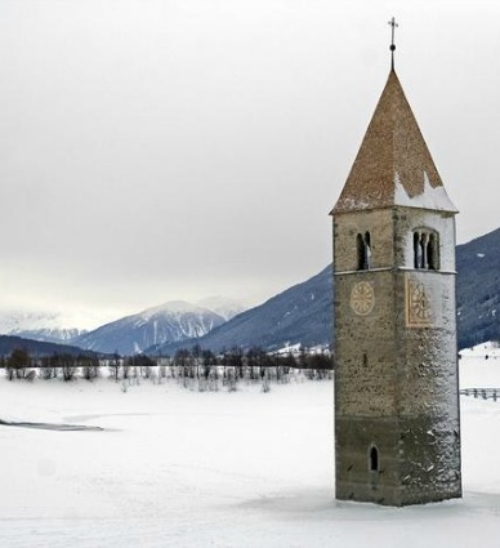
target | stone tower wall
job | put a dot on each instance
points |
(396, 369)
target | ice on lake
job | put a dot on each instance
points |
(174, 467)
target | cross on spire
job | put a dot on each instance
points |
(393, 25)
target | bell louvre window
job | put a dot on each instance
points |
(425, 250)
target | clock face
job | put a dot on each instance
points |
(362, 298)
(418, 305)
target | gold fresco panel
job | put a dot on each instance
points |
(418, 304)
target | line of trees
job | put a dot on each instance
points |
(255, 357)
(21, 365)
(187, 365)
(203, 370)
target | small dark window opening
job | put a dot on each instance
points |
(360, 246)
(373, 459)
(365, 360)
(431, 253)
(416, 247)
(422, 250)
(368, 250)
(364, 251)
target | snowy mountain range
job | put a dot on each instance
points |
(300, 315)
(170, 322)
(54, 327)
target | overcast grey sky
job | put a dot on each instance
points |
(158, 150)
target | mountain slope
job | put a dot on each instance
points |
(301, 314)
(173, 321)
(36, 348)
(478, 290)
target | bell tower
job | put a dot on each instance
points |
(397, 424)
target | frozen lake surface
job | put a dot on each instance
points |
(178, 468)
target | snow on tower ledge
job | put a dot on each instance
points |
(393, 166)
(431, 198)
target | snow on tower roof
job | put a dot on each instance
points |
(393, 165)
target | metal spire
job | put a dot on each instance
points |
(393, 24)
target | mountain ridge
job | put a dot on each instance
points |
(171, 321)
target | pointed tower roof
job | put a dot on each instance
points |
(393, 166)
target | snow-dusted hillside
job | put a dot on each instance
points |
(302, 315)
(172, 321)
(185, 321)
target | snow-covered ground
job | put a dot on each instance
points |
(178, 468)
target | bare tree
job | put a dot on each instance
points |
(18, 363)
